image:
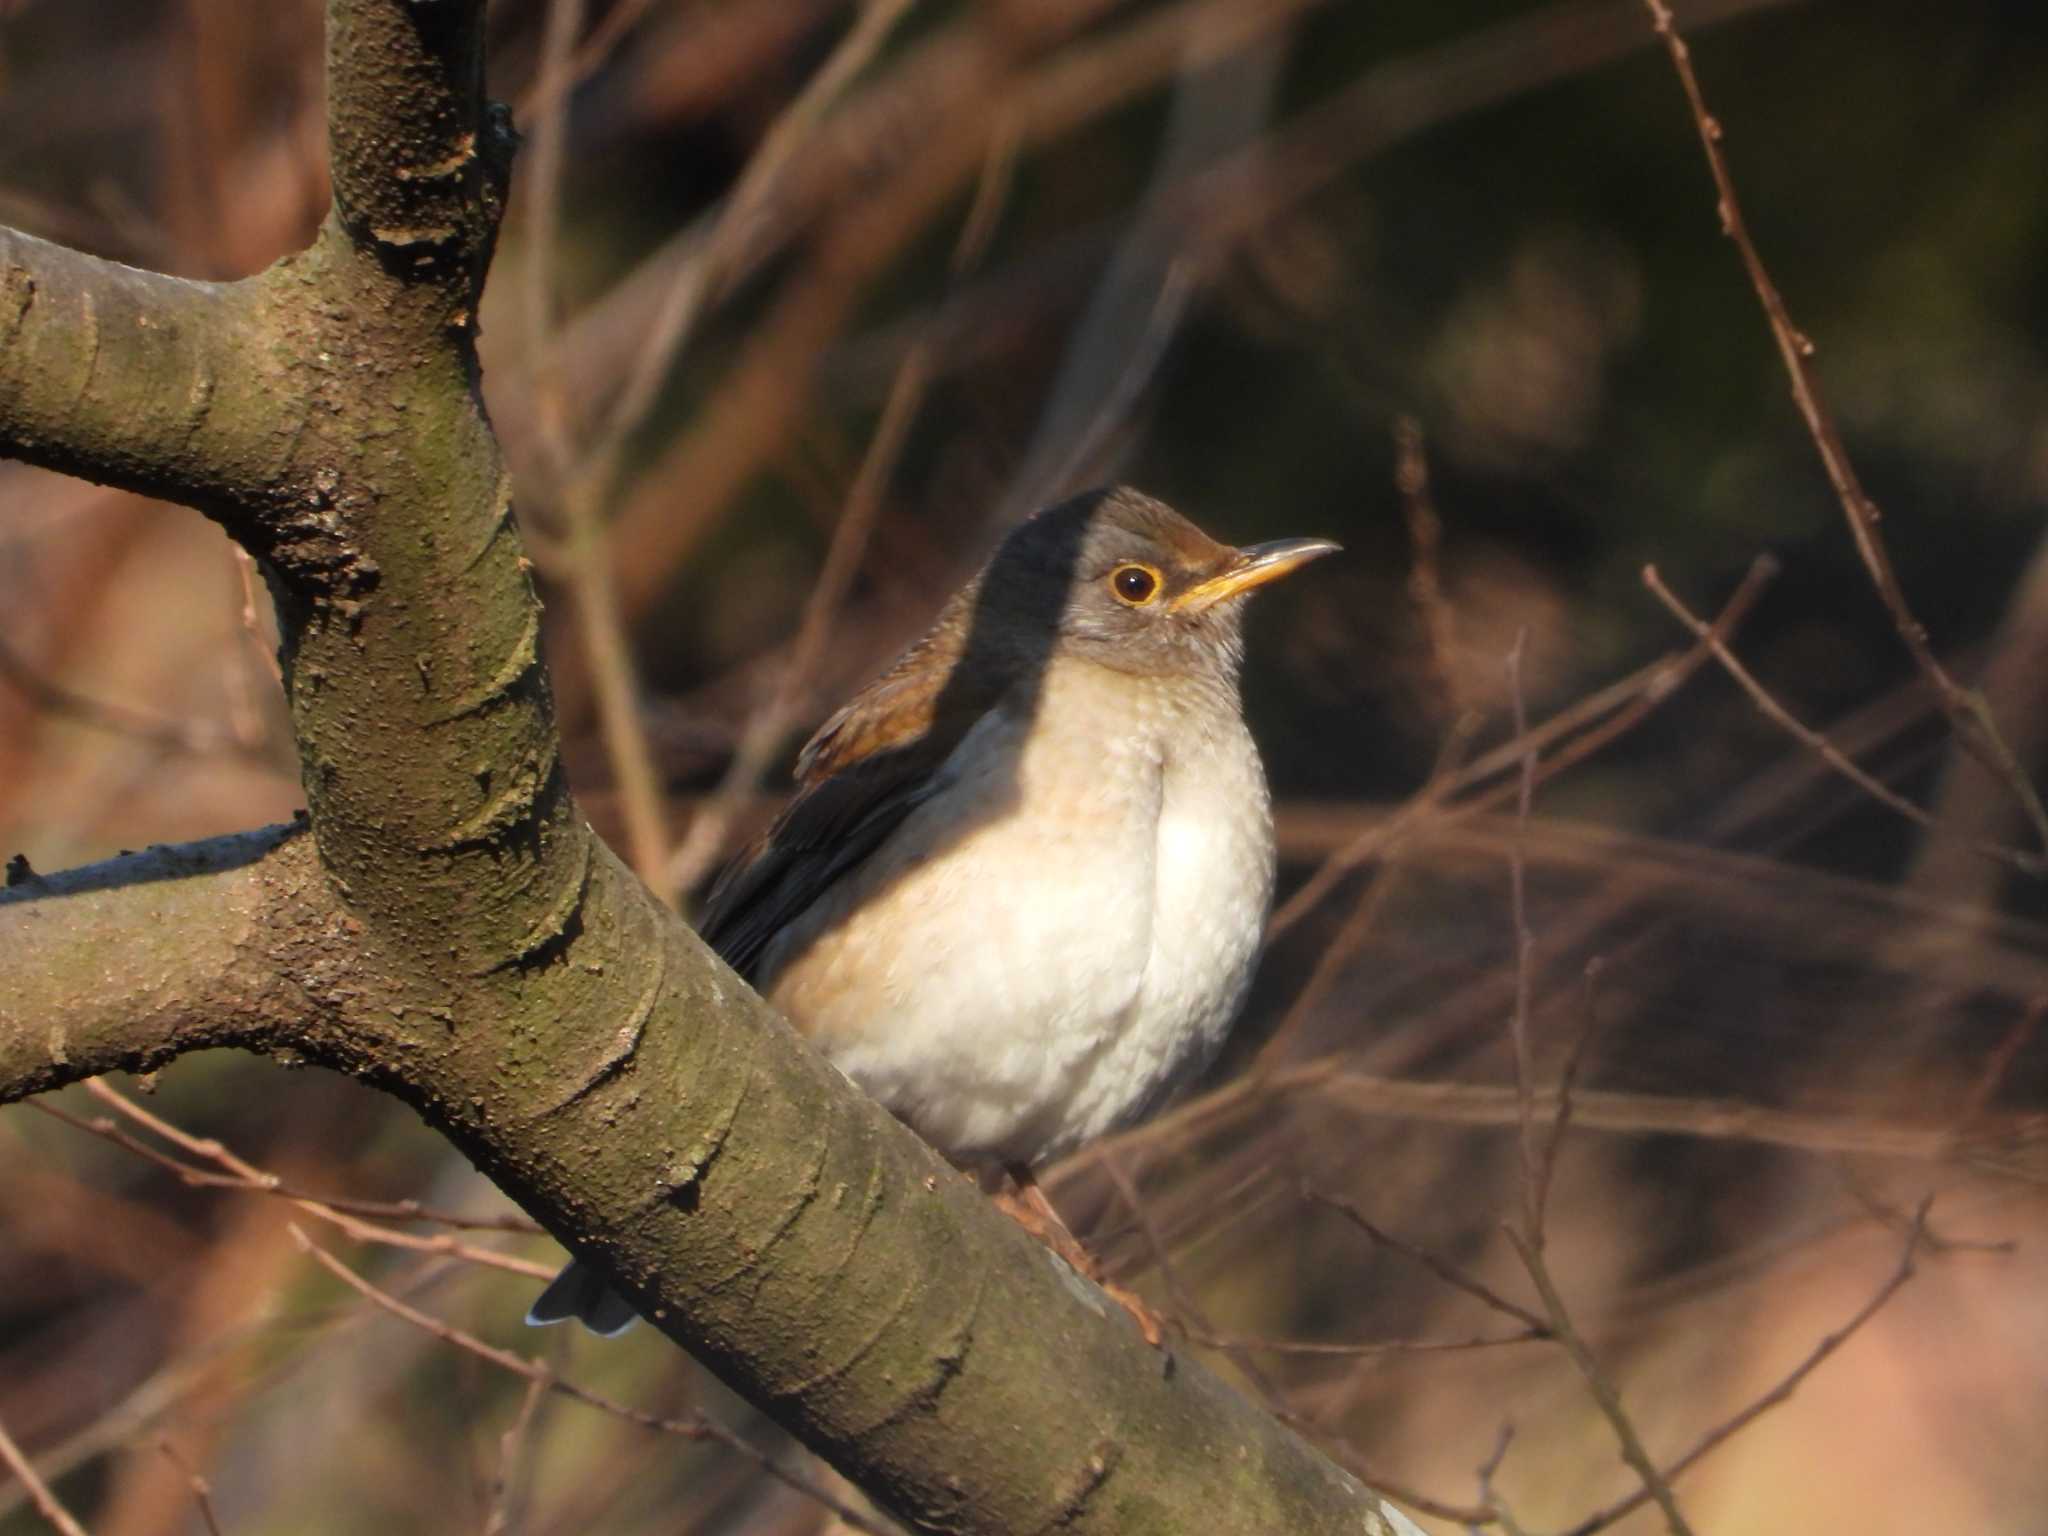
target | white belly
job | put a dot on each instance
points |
(1079, 942)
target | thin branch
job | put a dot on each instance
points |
(1442, 1509)
(199, 737)
(1567, 1079)
(1425, 578)
(696, 1427)
(251, 651)
(1187, 1309)
(511, 1446)
(767, 388)
(264, 1183)
(767, 724)
(1364, 914)
(1998, 1065)
(1966, 709)
(587, 481)
(1605, 1393)
(588, 57)
(1888, 1216)
(1425, 588)
(1084, 461)
(1815, 742)
(1447, 1272)
(1525, 953)
(705, 270)
(46, 1502)
(1489, 1496)
(1337, 1349)
(583, 555)
(1602, 717)
(1790, 1383)
(441, 1244)
(1646, 1114)
(202, 1490)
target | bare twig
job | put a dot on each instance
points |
(511, 1445)
(1218, 106)
(1827, 1345)
(1892, 1219)
(1337, 1349)
(202, 1490)
(256, 1178)
(1567, 1079)
(1605, 1393)
(2011, 1147)
(1598, 719)
(1462, 1514)
(731, 229)
(1449, 1273)
(1525, 955)
(250, 653)
(1084, 459)
(1814, 741)
(546, 155)
(199, 737)
(1365, 911)
(586, 479)
(582, 556)
(1489, 1497)
(766, 388)
(1966, 709)
(765, 727)
(1425, 577)
(696, 1427)
(1411, 478)
(46, 1502)
(767, 724)
(1186, 1308)
(263, 1183)
(1998, 1065)
(182, 1378)
(1536, 1161)
(551, 85)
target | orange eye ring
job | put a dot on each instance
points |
(1134, 585)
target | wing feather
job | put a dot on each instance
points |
(866, 769)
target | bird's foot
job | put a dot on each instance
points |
(1151, 1326)
(1027, 1205)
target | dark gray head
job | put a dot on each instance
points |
(1128, 582)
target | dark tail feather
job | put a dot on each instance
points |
(580, 1292)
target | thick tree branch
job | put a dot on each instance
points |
(644, 1105)
(126, 964)
(418, 158)
(130, 378)
(453, 932)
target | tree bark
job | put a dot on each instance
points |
(445, 926)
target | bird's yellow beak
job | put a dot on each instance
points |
(1254, 566)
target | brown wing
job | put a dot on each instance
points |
(865, 770)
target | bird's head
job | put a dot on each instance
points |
(1129, 583)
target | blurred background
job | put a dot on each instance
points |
(798, 305)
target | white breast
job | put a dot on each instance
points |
(1047, 948)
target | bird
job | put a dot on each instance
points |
(1019, 893)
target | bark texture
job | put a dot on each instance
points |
(446, 926)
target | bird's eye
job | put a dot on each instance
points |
(1134, 584)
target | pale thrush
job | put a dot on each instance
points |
(1019, 893)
